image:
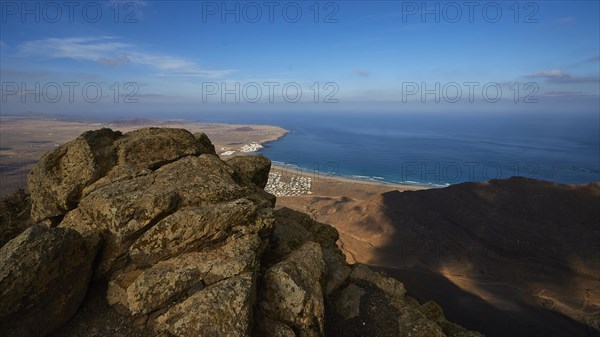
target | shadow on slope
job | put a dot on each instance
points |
(475, 313)
(527, 250)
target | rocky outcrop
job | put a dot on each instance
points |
(44, 275)
(357, 300)
(292, 294)
(138, 218)
(222, 309)
(60, 176)
(252, 169)
(97, 158)
(181, 243)
(206, 146)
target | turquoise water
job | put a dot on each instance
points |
(435, 150)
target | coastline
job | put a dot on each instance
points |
(26, 139)
(325, 178)
(299, 188)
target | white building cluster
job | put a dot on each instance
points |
(252, 147)
(297, 185)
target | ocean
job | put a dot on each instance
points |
(433, 149)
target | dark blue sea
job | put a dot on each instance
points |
(434, 149)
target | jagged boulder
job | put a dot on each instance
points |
(389, 285)
(141, 151)
(253, 169)
(97, 158)
(348, 302)
(293, 229)
(357, 300)
(124, 211)
(154, 147)
(44, 274)
(182, 238)
(291, 292)
(145, 290)
(191, 228)
(206, 146)
(58, 179)
(222, 309)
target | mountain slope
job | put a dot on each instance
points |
(526, 249)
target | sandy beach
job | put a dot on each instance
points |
(330, 199)
(324, 184)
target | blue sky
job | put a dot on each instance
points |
(364, 55)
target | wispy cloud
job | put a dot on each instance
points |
(567, 20)
(559, 76)
(78, 48)
(563, 94)
(592, 59)
(109, 51)
(114, 61)
(361, 72)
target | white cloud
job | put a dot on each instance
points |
(556, 75)
(86, 48)
(114, 61)
(108, 50)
